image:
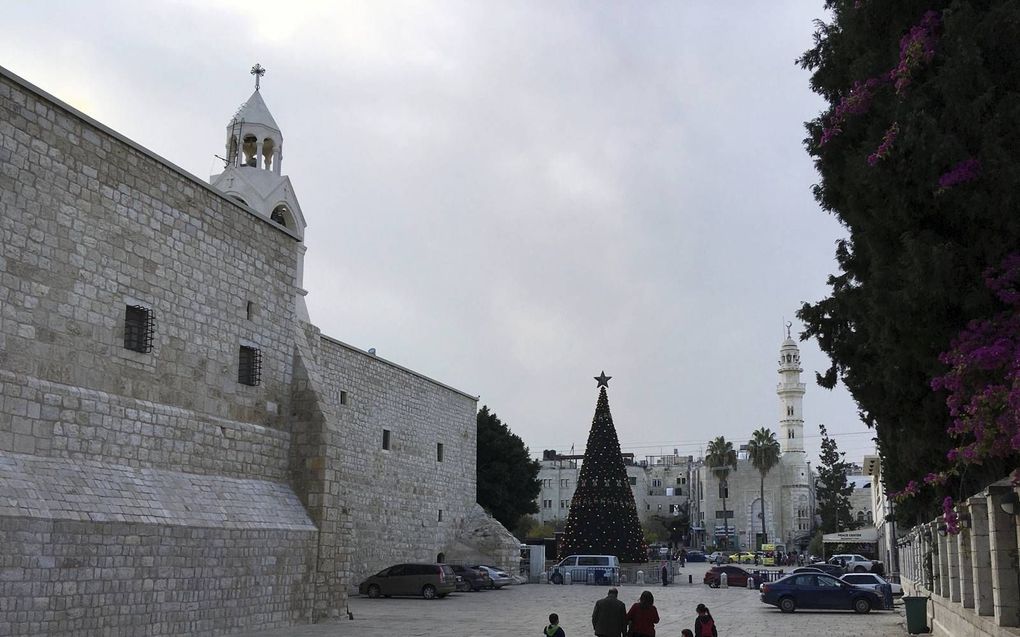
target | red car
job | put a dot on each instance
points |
(735, 576)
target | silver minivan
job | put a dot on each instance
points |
(587, 569)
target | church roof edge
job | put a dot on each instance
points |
(91, 121)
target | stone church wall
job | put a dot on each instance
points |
(142, 493)
(395, 496)
(153, 493)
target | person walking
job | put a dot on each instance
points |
(609, 617)
(704, 625)
(643, 616)
(553, 629)
(683, 558)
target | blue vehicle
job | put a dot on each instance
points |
(818, 590)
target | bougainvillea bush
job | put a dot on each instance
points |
(918, 155)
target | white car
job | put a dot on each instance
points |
(499, 578)
(855, 563)
(717, 557)
(871, 582)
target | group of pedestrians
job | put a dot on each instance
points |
(610, 618)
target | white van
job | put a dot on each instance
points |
(587, 569)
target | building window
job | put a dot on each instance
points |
(440, 515)
(679, 480)
(439, 452)
(250, 310)
(563, 504)
(343, 397)
(565, 483)
(724, 490)
(656, 483)
(249, 366)
(386, 439)
(139, 328)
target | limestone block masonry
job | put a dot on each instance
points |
(154, 492)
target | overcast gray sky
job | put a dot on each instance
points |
(510, 197)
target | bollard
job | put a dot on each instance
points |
(722, 580)
(566, 577)
(690, 579)
(640, 578)
(750, 584)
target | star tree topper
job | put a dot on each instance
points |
(603, 380)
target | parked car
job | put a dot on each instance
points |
(695, 556)
(735, 576)
(428, 580)
(829, 569)
(474, 579)
(497, 578)
(717, 557)
(871, 581)
(601, 569)
(855, 563)
(746, 557)
(818, 590)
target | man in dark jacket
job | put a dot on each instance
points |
(609, 618)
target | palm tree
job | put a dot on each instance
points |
(720, 459)
(763, 449)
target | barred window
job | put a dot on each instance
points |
(249, 366)
(139, 328)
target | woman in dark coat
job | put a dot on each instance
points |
(642, 617)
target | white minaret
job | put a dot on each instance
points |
(253, 174)
(791, 400)
(796, 501)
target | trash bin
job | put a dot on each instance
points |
(917, 614)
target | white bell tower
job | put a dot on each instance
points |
(253, 174)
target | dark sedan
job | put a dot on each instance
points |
(829, 569)
(818, 590)
(735, 576)
(474, 579)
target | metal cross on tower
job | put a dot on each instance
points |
(258, 72)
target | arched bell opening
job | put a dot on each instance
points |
(268, 153)
(282, 215)
(250, 148)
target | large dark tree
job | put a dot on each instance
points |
(507, 476)
(603, 518)
(919, 158)
(833, 490)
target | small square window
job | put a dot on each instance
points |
(632, 479)
(386, 439)
(139, 328)
(439, 452)
(249, 366)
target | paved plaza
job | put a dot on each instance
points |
(517, 611)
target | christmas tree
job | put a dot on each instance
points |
(603, 517)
